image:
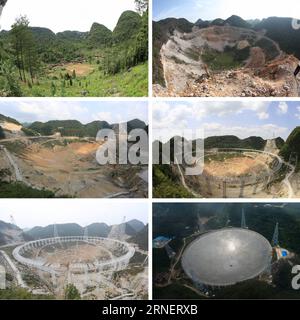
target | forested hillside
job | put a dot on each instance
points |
(34, 61)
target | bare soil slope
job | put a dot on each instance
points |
(225, 61)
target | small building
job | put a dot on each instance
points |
(282, 253)
(161, 242)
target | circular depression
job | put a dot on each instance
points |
(226, 257)
(234, 164)
(119, 254)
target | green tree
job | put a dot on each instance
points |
(53, 89)
(141, 5)
(32, 62)
(24, 49)
(9, 80)
(18, 36)
(72, 293)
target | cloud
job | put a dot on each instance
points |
(60, 110)
(263, 115)
(282, 108)
(217, 118)
(173, 12)
(297, 114)
(167, 115)
(223, 108)
(87, 111)
(61, 15)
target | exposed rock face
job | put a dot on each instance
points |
(192, 64)
(9, 233)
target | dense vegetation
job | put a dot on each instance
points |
(281, 31)
(292, 147)
(229, 141)
(166, 184)
(71, 292)
(76, 128)
(21, 294)
(73, 229)
(279, 142)
(229, 59)
(20, 190)
(37, 62)
(8, 119)
(254, 289)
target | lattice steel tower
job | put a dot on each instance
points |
(55, 231)
(275, 236)
(86, 232)
(243, 222)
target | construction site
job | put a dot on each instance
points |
(67, 166)
(231, 255)
(209, 260)
(100, 268)
(224, 61)
(242, 173)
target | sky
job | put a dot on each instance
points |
(61, 15)
(242, 119)
(42, 212)
(193, 10)
(83, 111)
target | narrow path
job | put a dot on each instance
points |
(180, 255)
(13, 163)
(16, 271)
(196, 195)
(271, 148)
(195, 290)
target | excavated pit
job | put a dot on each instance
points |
(225, 61)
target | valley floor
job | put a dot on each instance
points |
(48, 169)
(90, 82)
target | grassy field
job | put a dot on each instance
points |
(230, 58)
(220, 61)
(89, 81)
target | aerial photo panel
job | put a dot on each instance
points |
(149, 150)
